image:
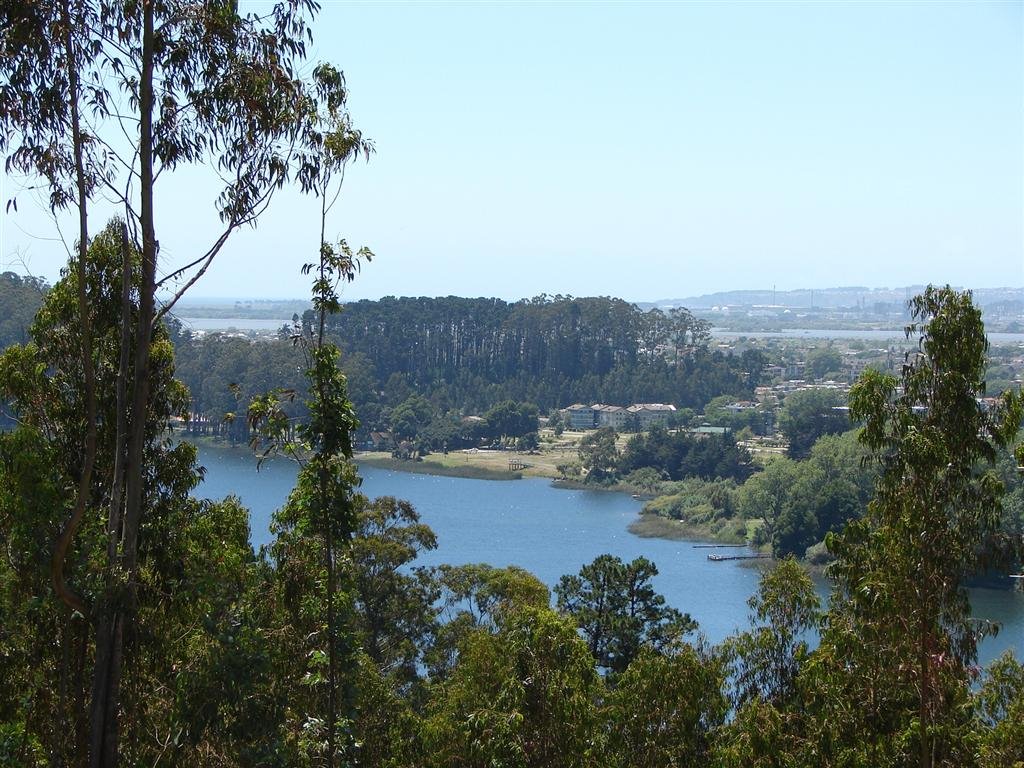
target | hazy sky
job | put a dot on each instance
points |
(645, 151)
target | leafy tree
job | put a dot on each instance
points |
(598, 455)
(822, 361)
(680, 455)
(1000, 704)
(937, 510)
(807, 414)
(618, 611)
(665, 709)
(20, 299)
(523, 695)
(475, 596)
(321, 511)
(394, 605)
(200, 85)
(511, 419)
(769, 496)
(768, 657)
(410, 416)
(528, 442)
(184, 598)
(555, 423)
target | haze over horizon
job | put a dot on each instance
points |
(644, 151)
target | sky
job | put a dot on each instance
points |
(639, 150)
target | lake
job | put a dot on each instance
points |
(551, 532)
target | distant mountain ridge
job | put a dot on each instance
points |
(826, 298)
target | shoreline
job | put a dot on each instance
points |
(652, 526)
(487, 466)
(426, 467)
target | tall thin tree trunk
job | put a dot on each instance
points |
(332, 661)
(84, 490)
(69, 597)
(119, 620)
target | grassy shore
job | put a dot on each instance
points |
(430, 466)
(651, 526)
(487, 464)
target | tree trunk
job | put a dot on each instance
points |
(118, 617)
(67, 596)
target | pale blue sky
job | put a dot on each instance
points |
(650, 151)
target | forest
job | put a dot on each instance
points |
(140, 627)
(449, 357)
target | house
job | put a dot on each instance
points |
(614, 416)
(649, 414)
(581, 416)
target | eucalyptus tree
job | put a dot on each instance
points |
(666, 709)
(322, 508)
(191, 562)
(903, 615)
(49, 73)
(167, 84)
(522, 695)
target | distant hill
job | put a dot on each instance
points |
(241, 308)
(850, 297)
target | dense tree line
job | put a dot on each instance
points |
(681, 455)
(20, 298)
(551, 351)
(461, 357)
(792, 504)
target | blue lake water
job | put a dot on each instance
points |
(551, 532)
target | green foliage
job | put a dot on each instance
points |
(520, 696)
(900, 570)
(823, 361)
(618, 611)
(394, 604)
(680, 455)
(696, 501)
(20, 299)
(808, 414)
(643, 480)
(801, 502)
(460, 355)
(410, 416)
(665, 709)
(1000, 704)
(599, 456)
(478, 596)
(511, 419)
(195, 562)
(767, 659)
(718, 414)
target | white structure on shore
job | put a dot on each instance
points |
(642, 415)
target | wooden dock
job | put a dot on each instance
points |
(719, 558)
(718, 546)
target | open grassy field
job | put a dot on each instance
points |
(554, 450)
